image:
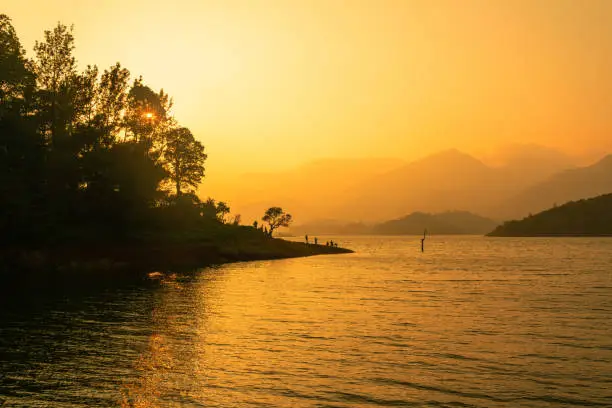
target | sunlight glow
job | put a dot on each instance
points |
(312, 79)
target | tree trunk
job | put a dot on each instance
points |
(177, 171)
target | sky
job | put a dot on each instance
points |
(268, 84)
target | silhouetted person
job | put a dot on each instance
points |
(316, 241)
(306, 238)
(327, 243)
(331, 242)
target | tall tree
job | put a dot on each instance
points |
(112, 97)
(21, 148)
(56, 72)
(83, 94)
(148, 117)
(16, 77)
(184, 159)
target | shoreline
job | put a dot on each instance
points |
(149, 257)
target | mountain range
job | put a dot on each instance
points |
(445, 223)
(526, 180)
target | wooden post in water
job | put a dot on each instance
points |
(423, 241)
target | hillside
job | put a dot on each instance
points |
(590, 217)
(569, 185)
(448, 223)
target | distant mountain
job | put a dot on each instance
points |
(590, 217)
(449, 180)
(532, 159)
(565, 186)
(373, 190)
(451, 222)
(522, 165)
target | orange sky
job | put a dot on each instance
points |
(269, 83)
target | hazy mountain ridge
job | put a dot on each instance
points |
(447, 223)
(576, 218)
(449, 180)
(528, 179)
(569, 185)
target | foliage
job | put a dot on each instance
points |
(86, 155)
(276, 218)
(17, 79)
(185, 159)
(212, 209)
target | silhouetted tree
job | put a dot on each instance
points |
(56, 73)
(17, 80)
(112, 97)
(184, 159)
(211, 209)
(22, 150)
(276, 218)
(148, 118)
(222, 211)
(88, 155)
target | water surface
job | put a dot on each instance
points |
(472, 322)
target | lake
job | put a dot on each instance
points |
(471, 322)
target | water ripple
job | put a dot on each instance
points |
(472, 322)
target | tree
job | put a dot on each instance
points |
(56, 73)
(212, 209)
(112, 97)
(147, 117)
(276, 217)
(16, 76)
(184, 159)
(222, 210)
